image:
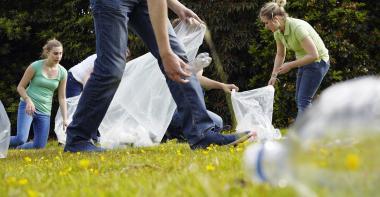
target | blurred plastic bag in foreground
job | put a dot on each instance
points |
(253, 111)
(5, 130)
(332, 150)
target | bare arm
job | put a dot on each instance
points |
(278, 61)
(312, 55)
(173, 65)
(182, 11)
(21, 89)
(62, 101)
(212, 84)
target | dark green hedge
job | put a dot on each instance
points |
(246, 50)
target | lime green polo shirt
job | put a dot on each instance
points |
(41, 89)
(295, 31)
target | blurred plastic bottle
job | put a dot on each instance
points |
(200, 62)
(332, 150)
(4, 131)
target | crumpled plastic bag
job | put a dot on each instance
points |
(142, 107)
(253, 112)
(5, 131)
(72, 104)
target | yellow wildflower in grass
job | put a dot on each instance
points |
(142, 151)
(11, 180)
(239, 149)
(179, 153)
(32, 193)
(102, 158)
(232, 150)
(23, 181)
(352, 161)
(84, 163)
(57, 158)
(210, 167)
(205, 152)
(27, 159)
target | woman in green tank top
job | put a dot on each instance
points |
(36, 89)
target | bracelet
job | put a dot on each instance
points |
(274, 75)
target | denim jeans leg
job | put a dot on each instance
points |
(110, 19)
(41, 126)
(73, 87)
(217, 120)
(24, 122)
(188, 97)
(308, 83)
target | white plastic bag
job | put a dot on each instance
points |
(5, 131)
(72, 104)
(142, 107)
(253, 111)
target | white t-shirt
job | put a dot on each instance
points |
(83, 69)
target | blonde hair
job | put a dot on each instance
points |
(272, 9)
(50, 44)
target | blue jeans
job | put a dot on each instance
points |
(73, 87)
(41, 125)
(309, 78)
(112, 19)
(175, 129)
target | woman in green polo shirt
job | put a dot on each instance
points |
(36, 89)
(312, 58)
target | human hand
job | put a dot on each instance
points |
(175, 68)
(272, 81)
(227, 88)
(30, 108)
(65, 123)
(188, 15)
(284, 68)
(200, 62)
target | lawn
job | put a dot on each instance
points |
(170, 169)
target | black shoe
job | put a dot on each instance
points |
(212, 137)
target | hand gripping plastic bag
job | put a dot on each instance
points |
(72, 104)
(5, 131)
(253, 112)
(142, 107)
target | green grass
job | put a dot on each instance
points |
(170, 169)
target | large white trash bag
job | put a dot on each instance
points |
(253, 112)
(72, 104)
(5, 131)
(142, 107)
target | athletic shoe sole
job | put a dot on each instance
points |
(241, 139)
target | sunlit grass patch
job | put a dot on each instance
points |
(169, 169)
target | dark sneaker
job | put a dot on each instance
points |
(212, 137)
(224, 128)
(82, 146)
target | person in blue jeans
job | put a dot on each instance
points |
(149, 20)
(174, 130)
(36, 89)
(312, 57)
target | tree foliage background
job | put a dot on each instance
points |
(350, 30)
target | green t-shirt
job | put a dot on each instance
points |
(41, 89)
(295, 31)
